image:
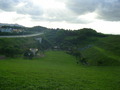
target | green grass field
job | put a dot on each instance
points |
(104, 51)
(56, 71)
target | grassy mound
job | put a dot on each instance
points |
(100, 57)
(104, 52)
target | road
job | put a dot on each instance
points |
(19, 36)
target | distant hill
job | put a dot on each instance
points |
(8, 29)
(5, 24)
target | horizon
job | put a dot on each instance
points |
(57, 28)
(102, 16)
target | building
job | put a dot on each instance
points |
(10, 30)
(6, 30)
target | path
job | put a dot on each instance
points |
(19, 36)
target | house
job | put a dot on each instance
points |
(6, 30)
(17, 30)
(10, 30)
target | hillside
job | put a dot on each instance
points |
(96, 48)
(105, 51)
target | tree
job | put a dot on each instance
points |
(11, 51)
(28, 54)
(79, 57)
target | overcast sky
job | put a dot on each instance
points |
(101, 15)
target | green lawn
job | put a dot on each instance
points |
(56, 71)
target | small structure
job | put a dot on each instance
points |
(6, 30)
(39, 39)
(34, 51)
(56, 47)
(30, 53)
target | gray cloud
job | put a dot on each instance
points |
(106, 9)
(31, 9)
(110, 10)
(28, 7)
(82, 6)
(39, 14)
(8, 5)
(59, 15)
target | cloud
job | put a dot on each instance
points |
(71, 11)
(59, 15)
(20, 6)
(8, 5)
(30, 8)
(82, 6)
(42, 10)
(106, 9)
(109, 10)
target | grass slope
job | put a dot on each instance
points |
(110, 43)
(105, 51)
(56, 71)
(101, 57)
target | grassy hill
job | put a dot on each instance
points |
(105, 51)
(98, 49)
(56, 71)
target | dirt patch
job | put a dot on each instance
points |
(2, 57)
(40, 55)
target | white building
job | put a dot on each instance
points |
(6, 30)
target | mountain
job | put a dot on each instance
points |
(6, 24)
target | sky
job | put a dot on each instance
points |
(100, 15)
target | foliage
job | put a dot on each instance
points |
(12, 47)
(28, 54)
(10, 51)
(68, 38)
(79, 57)
(36, 29)
(84, 39)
